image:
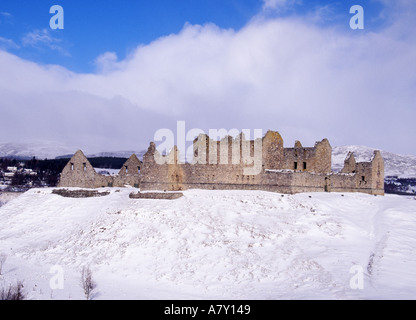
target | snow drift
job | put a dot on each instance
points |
(212, 245)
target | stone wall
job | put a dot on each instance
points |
(80, 173)
(273, 153)
(367, 177)
(349, 163)
(236, 163)
(377, 174)
(156, 195)
(129, 173)
(80, 193)
(278, 172)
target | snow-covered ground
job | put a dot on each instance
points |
(7, 196)
(212, 245)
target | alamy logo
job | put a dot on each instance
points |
(357, 21)
(205, 150)
(357, 280)
(57, 21)
(57, 280)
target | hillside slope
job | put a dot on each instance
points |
(40, 150)
(212, 244)
(52, 150)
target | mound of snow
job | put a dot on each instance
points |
(212, 245)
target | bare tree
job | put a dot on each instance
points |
(3, 258)
(13, 292)
(87, 283)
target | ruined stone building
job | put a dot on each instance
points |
(80, 173)
(236, 163)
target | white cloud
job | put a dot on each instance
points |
(306, 81)
(8, 44)
(36, 37)
(325, 13)
(42, 38)
(279, 4)
(6, 17)
(106, 62)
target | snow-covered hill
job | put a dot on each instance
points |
(403, 166)
(40, 150)
(52, 150)
(120, 154)
(212, 244)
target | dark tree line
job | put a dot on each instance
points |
(48, 170)
(400, 185)
(107, 162)
(4, 163)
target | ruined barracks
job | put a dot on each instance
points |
(236, 163)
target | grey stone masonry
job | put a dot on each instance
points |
(236, 163)
(80, 173)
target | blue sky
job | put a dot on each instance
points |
(121, 70)
(93, 27)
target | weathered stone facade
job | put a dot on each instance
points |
(285, 170)
(129, 174)
(156, 195)
(236, 163)
(80, 173)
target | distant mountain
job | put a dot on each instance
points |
(108, 154)
(54, 150)
(403, 166)
(40, 150)
(118, 154)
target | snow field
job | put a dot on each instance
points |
(212, 245)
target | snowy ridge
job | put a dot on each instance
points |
(120, 154)
(212, 244)
(403, 166)
(40, 150)
(52, 150)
